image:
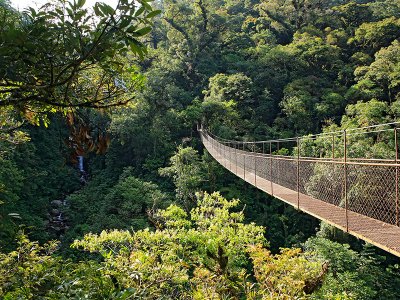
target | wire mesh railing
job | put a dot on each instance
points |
(355, 169)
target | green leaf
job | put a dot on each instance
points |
(131, 29)
(134, 47)
(79, 15)
(97, 10)
(140, 11)
(138, 49)
(70, 12)
(59, 11)
(125, 22)
(153, 14)
(143, 31)
(80, 3)
(33, 12)
(146, 6)
(106, 9)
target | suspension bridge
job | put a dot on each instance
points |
(349, 179)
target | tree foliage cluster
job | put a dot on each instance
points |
(207, 254)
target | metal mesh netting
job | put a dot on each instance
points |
(323, 181)
(372, 191)
(368, 187)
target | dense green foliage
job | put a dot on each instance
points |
(204, 256)
(247, 69)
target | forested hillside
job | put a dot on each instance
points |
(106, 191)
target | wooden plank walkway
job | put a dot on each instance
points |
(378, 233)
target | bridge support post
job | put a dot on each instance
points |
(244, 163)
(226, 154)
(255, 164)
(230, 156)
(236, 145)
(263, 152)
(270, 169)
(298, 173)
(345, 178)
(225, 158)
(278, 165)
(219, 150)
(397, 175)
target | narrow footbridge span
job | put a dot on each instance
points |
(349, 179)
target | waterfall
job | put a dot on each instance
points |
(81, 164)
(83, 174)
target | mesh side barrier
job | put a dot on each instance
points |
(372, 191)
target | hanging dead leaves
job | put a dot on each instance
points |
(85, 138)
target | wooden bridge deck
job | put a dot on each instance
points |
(378, 233)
